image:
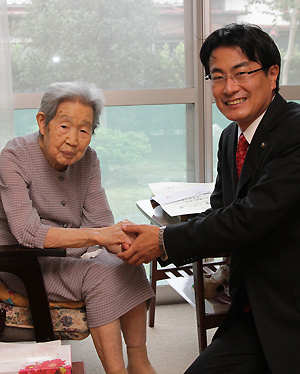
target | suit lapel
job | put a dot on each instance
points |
(231, 154)
(261, 138)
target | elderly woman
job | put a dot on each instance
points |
(51, 196)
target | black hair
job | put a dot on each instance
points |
(255, 43)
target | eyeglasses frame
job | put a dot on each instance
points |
(208, 77)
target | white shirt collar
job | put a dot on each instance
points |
(250, 130)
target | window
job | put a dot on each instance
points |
(282, 23)
(144, 55)
(117, 44)
(141, 54)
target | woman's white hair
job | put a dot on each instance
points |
(85, 93)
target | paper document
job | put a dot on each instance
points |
(184, 287)
(165, 187)
(177, 198)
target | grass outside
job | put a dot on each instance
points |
(125, 187)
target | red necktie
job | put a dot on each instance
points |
(241, 152)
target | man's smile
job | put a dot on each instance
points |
(236, 101)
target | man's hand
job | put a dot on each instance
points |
(145, 247)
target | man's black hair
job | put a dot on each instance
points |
(255, 43)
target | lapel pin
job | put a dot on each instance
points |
(263, 145)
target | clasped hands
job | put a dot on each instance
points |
(139, 243)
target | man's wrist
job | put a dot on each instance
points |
(161, 243)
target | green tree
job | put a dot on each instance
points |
(110, 43)
(117, 149)
(289, 11)
(173, 62)
(114, 44)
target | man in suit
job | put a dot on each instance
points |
(254, 213)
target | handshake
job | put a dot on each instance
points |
(136, 244)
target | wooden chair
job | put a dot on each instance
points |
(23, 262)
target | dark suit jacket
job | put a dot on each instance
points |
(257, 220)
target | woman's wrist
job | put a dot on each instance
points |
(84, 237)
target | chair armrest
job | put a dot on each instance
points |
(23, 262)
(19, 251)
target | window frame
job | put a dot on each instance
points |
(197, 169)
(197, 95)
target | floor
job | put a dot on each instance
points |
(172, 342)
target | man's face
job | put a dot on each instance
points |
(245, 101)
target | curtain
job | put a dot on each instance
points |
(6, 98)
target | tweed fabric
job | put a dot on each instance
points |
(35, 197)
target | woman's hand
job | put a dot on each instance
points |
(110, 237)
(113, 236)
(114, 248)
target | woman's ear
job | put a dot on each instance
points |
(41, 120)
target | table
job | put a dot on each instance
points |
(205, 320)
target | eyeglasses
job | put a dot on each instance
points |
(217, 79)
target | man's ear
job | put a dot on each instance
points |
(273, 73)
(41, 120)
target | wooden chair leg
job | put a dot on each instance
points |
(28, 270)
(200, 304)
(2, 320)
(153, 279)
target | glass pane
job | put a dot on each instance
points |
(136, 145)
(219, 122)
(139, 145)
(281, 19)
(25, 121)
(117, 44)
(276, 18)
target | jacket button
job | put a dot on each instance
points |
(63, 203)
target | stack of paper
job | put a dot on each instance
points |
(42, 358)
(184, 286)
(178, 198)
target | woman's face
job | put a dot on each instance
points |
(65, 139)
